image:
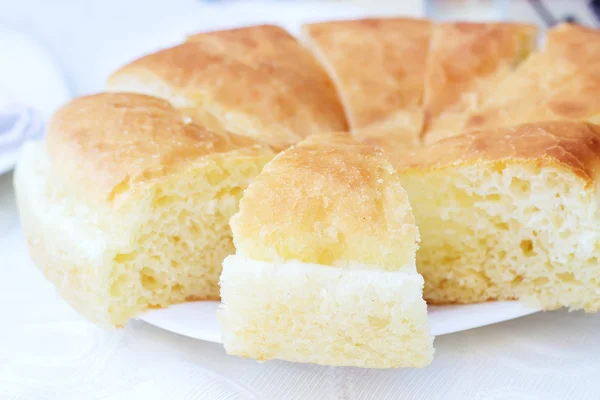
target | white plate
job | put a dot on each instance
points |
(8, 161)
(198, 319)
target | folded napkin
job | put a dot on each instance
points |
(18, 123)
(31, 89)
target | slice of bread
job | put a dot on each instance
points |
(324, 269)
(126, 205)
(256, 81)
(509, 213)
(378, 66)
(561, 82)
(466, 60)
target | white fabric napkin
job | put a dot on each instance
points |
(31, 89)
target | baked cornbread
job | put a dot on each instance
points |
(466, 60)
(256, 81)
(126, 205)
(324, 270)
(509, 213)
(378, 66)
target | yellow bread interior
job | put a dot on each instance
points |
(324, 269)
(318, 314)
(466, 60)
(510, 219)
(149, 242)
(163, 247)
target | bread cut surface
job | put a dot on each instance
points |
(256, 81)
(126, 204)
(324, 269)
(465, 61)
(509, 213)
(318, 314)
(574, 41)
(378, 66)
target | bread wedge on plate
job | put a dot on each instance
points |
(509, 213)
(256, 81)
(126, 204)
(324, 270)
(575, 41)
(465, 61)
(560, 82)
(378, 67)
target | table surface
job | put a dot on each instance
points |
(48, 352)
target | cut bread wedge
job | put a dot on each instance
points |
(575, 41)
(126, 205)
(509, 213)
(561, 82)
(378, 67)
(324, 270)
(465, 61)
(256, 81)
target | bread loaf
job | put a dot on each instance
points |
(126, 205)
(324, 269)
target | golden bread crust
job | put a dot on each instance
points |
(256, 81)
(329, 200)
(547, 86)
(574, 41)
(110, 142)
(572, 145)
(466, 60)
(378, 67)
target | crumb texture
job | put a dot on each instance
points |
(134, 225)
(333, 316)
(500, 223)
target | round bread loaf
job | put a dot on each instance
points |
(126, 203)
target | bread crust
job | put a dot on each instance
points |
(256, 81)
(465, 60)
(328, 200)
(110, 143)
(571, 145)
(378, 67)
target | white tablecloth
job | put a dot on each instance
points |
(48, 352)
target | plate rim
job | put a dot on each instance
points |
(156, 318)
